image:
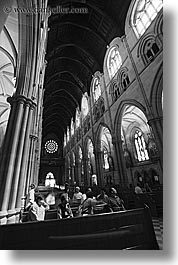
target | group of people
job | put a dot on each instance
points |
(37, 206)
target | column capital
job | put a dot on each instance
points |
(22, 100)
(33, 137)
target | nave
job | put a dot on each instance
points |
(81, 102)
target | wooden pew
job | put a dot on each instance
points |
(130, 229)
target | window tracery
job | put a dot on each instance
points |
(114, 62)
(144, 12)
(140, 145)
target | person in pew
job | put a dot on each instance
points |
(116, 203)
(38, 209)
(86, 207)
(103, 196)
(104, 201)
(77, 194)
(63, 209)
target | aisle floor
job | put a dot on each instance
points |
(158, 227)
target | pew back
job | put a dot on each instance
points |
(130, 229)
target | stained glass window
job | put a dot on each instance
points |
(77, 118)
(143, 14)
(68, 135)
(140, 145)
(114, 62)
(51, 146)
(72, 127)
(65, 139)
(85, 107)
(96, 89)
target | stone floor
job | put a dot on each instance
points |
(158, 227)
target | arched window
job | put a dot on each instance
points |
(84, 105)
(65, 140)
(125, 80)
(77, 118)
(106, 147)
(114, 62)
(96, 89)
(51, 146)
(72, 127)
(142, 153)
(50, 180)
(143, 14)
(68, 135)
(105, 159)
(150, 50)
(80, 154)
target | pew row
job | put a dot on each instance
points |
(131, 229)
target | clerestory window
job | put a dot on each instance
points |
(144, 12)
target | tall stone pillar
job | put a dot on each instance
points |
(11, 146)
(99, 167)
(120, 163)
(25, 156)
(17, 167)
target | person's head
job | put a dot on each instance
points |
(113, 191)
(89, 189)
(39, 200)
(89, 194)
(63, 200)
(77, 189)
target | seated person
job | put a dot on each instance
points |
(38, 209)
(103, 196)
(86, 208)
(115, 203)
(77, 194)
(63, 209)
(104, 200)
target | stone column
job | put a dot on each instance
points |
(11, 141)
(17, 167)
(99, 167)
(120, 162)
(25, 156)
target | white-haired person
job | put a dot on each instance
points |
(77, 194)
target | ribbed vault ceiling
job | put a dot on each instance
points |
(76, 48)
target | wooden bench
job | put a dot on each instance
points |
(132, 229)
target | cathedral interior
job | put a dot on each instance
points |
(81, 99)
